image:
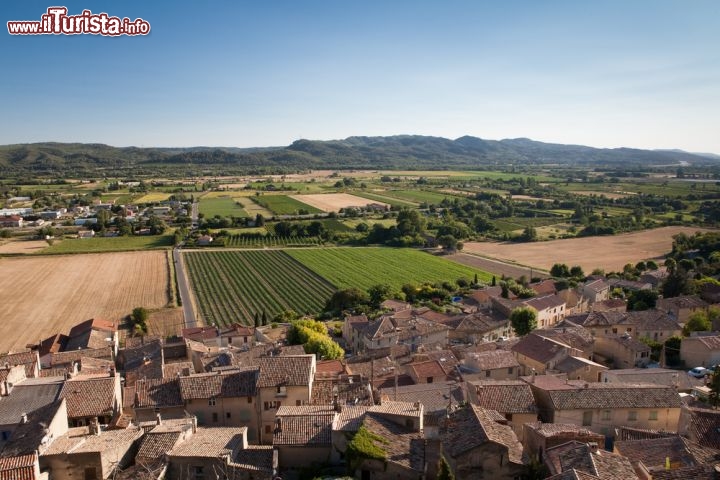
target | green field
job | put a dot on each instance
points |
(284, 205)
(232, 286)
(395, 202)
(270, 241)
(110, 244)
(365, 267)
(419, 196)
(223, 206)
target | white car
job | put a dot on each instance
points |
(698, 372)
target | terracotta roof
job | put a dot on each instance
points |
(654, 452)
(300, 426)
(329, 368)
(505, 396)
(199, 334)
(545, 287)
(350, 389)
(62, 358)
(548, 430)
(401, 409)
(79, 440)
(156, 445)
(175, 369)
(597, 285)
(210, 442)
(643, 320)
(704, 427)
(612, 395)
(209, 385)
(629, 343)
(90, 365)
(544, 303)
(540, 348)
(571, 364)
(29, 359)
(423, 370)
(492, 360)
(658, 376)
(89, 398)
(157, 393)
(471, 427)
(53, 344)
(19, 467)
(690, 301)
(254, 458)
(711, 342)
(577, 337)
(290, 371)
(395, 305)
(604, 465)
(237, 330)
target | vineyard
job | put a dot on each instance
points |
(269, 241)
(284, 205)
(365, 267)
(234, 286)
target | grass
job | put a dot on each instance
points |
(420, 196)
(368, 266)
(284, 205)
(395, 202)
(223, 206)
(111, 244)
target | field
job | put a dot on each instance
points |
(263, 241)
(419, 196)
(380, 198)
(20, 246)
(365, 267)
(166, 322)
(223, 206)
(233, 286)
(153, 197)
(284, 205)
(110, 244)
(333, 202)
(42, 296)
(610, 253)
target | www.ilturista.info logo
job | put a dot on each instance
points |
(57, 22)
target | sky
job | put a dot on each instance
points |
(640, 73)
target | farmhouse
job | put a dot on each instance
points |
(11, 221)
(682, 307)
(700, 350)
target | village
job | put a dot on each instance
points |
(419, 394)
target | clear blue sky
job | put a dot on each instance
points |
(639, 73)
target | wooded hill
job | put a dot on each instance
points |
(394, 152)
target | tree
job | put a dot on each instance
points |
(529, 234)
(138, 320)
(448, 242)
(577, 272)
(259, 220)
(642, 300)
(714, 397)
(444, 472)
(560, 270)
(523, 320)
(379, 293)
(698, 322)
(347, 299)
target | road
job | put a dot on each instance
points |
(194, 215)
(184, 289)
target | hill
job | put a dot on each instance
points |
(399, 151)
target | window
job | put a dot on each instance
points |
(215, 417)
(268, 429)
(487, 373)
(510, 370)
(281, 390)
(227, 415)
(587, 418)
(211, 402)
(429, 380)
(614, 330)
(199, 472)
(271, 405)
(249, 399)
(606, 415)
(90, 473)
(632, 415)
(653, 415)
(229, 340)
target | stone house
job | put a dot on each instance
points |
(681, 308)
(494, 364)
(303, 435)
(92, 399)
(511, 398)
(149, 398)
(596, 290)
(579, 368)
(539, 436)
(700, 350)
(537, 354)
(622, 351)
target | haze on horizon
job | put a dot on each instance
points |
(643, 74)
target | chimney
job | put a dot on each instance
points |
(94, 427)
(593, 447)
(23, 418)
(278, 424)
(194, 424)
(416, 405)
(158, 419)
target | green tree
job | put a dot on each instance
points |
(444, 472)
(577, 272)
(523, 320)
(259, 220)
(347, 299)
(324, 347)
(698, 322)
(560, 270)
(379, 293)
(642, 300)
(672, 351)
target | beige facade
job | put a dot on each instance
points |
(605, 421)
(700, 351)
(271, 398)
(624, 352)
(226, 412)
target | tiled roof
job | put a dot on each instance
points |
(658, 376)
(711, 342)
(157, 393)
(210, 442)
(18, 468)
(90, 365)
(423, 370)
(209, 385)
(199, 334)
(404, 409)
(351, 390)
(472, 426)
(289, 371)
(329, 368)
(654, 452)
(21, 358)
(571, 364)
(254, 458)
(89, 398)
(172, 370)
(597, 285)
(704, 427)
(697, 472)
(350, 418)
(492, 360)
(645, 320)
(690, 301)
(237, 330)
(27, 437)
(93, 324)
(27, 397)
(395, 305)
(133, 357)
(505, 396)
(544, 303)
(435, 397)
(62, 358)
(577, 337)
(299, 426)
(540, 348)
(579, 456)
(53, 344)
(155, 445)
(79, 440)
(545, 287)
(548, 430)
(404, 447)
(613, 395)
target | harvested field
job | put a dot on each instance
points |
(28, 246)
(496, 267)
(610, 253)
(46, 295)
(166, 322)
(333, 202)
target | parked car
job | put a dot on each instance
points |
(698, 372)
